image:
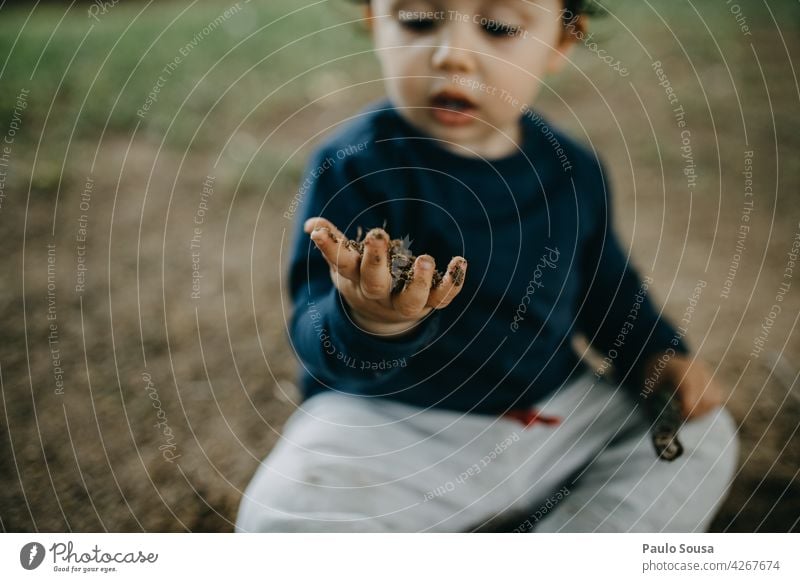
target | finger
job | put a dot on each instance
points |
(705, 402)
(376, 278)
(340, 256)
(347, 287)
(319, 222)
(450, 286)
(414, 296)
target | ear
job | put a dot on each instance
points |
(572, 31)
(368, 15)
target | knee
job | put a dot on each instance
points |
(267, 512)
(712, 459)
(717, 442)
(305, 497)
(272, 503)
(255, 517)
(265, 506)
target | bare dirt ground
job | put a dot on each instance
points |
(95, 456)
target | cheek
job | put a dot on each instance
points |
(520, 73)
(413, 90)
(404, 90)
(393, 62)
(404, 70)
(403, 59)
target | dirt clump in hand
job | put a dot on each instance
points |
(401, 262)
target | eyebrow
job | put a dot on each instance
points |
(522, 5)
(397, 4)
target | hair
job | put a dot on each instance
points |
(576, 8)
(572, 9)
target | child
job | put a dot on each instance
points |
(441, 405)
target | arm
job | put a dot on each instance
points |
(345, 318)
(617, 315)
(620, 320)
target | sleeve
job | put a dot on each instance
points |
(332, 349)
(617, 315)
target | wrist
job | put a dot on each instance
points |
(651, 373)
(658, 369)
(383, 329)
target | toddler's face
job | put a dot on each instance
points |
(464, 70)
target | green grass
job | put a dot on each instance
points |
(113, 64)
(98, 73)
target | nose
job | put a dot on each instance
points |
(451, 54)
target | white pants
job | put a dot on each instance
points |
(349, 463)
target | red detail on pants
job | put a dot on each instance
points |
(530, 416)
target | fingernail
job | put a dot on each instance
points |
(457, 273)
(425, 264)
(376, 234)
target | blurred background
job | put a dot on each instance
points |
(149, 151)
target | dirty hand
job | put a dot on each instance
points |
(365, 281)
(689, 379)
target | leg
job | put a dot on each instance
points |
(347, 463)
(625, 488)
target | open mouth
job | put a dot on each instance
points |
(451, 108)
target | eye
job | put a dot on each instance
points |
(497, 29)
(418, 24)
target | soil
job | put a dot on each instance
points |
(401, 262)
(88, 458)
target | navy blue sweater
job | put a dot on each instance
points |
(544, 263)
